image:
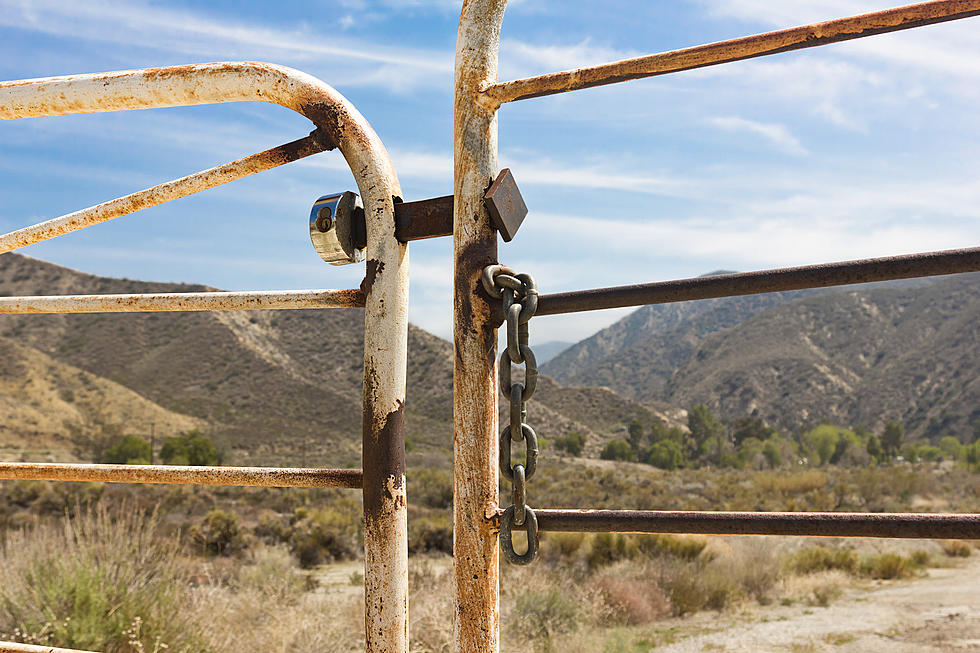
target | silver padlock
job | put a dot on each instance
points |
(337, 228)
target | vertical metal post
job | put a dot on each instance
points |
(475, 526)
(385, 288)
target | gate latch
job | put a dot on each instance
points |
(339, 235)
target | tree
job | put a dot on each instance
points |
(952, 448)
(822, 442)
(572, 443)
(635, 429)
(665, 454)
(770, 451)
(191, 448)
(704, 425)
(128, 450)
(751, 427)
(617, 450)
(874, 448)
(891, 438)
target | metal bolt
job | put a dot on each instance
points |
(324, 219)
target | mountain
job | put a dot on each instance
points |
(637, 355)
(864, 354)
(545, 351)
(857, 357)
(272, 387)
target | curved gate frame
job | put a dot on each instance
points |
(384, 292)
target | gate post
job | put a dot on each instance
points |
(475, 523)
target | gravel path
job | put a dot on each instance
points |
(938, 613)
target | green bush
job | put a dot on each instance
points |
(431, 487)
(546, 613)
(607, 548)
(129, 450)
(219, 533)
(324, 535)
(430, 533)
(675, 546)
(617, 450)
(888, 565)
(665, 454)
(822, 558)
(572, 443)
(952, 448)
(97, 583)
(191, 448)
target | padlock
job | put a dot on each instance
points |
(337, 228)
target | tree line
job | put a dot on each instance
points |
(748, 442)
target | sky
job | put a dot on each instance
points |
(867, 148)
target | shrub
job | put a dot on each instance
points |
(952, 448)
(956, 548)
(432, 487)
(632, 601)
(549, 612)
(324, 535)
(129, 450)
(887, 565)
(665, 454)
(220, 534)
(572, 443)
(822, 558)
(685, 548)
(617, 450)
(430, 533)
(191, 448)
(607, 548)
(97, 583)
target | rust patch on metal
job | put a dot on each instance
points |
(373, 268)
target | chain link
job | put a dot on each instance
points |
(519, 295)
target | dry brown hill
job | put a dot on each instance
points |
(271, 386)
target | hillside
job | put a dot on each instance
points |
(271, 386)
(903, 351)
(856, 357)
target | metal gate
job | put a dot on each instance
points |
(384, 295)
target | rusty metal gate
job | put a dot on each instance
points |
(477, 517)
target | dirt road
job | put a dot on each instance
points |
(938, 613)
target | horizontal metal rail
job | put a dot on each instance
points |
(191, 301)
(824, 275)
(748, 47)
(183, 475)
(165, 192)
(16, 647)
(810, 524)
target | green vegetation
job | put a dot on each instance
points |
(129, 450)
(191, 448)
(572, 443)
(97, 583)
(749, 443)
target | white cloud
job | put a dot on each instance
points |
(195, 34)
(776, 134)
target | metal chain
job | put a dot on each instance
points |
(519, 294)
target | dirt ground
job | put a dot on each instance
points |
(940, 612)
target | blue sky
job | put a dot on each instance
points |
(867, 148)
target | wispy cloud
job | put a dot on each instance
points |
(776, 134)
(196, 34)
